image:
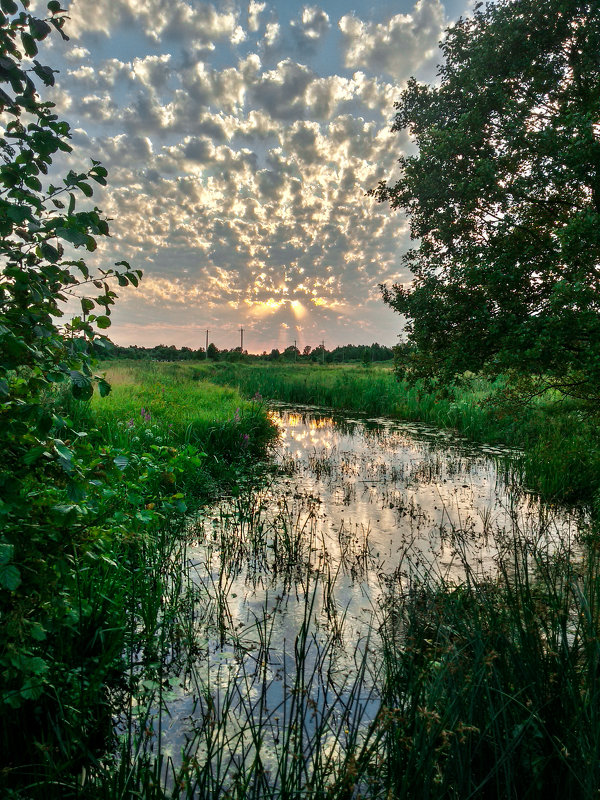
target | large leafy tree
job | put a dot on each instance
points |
(503, 197)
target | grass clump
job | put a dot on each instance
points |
(491, 685)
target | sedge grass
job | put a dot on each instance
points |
(484, 687)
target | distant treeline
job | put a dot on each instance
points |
(348, 352)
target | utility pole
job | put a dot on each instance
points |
(323, 351)
(206, 351)
(241, 339)
(295, 350)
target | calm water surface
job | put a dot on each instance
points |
(304, 564)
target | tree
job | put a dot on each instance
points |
(503, 197)
(212, 352)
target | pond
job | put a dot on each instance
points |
(290, 588)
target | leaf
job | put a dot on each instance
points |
(9, 6)
(103, 322)
(18, 214)
(33, 183)
(38, 632)
(62, 450)
(45, 73)
(81, 387)
(37, 665)
(29, 44)
(121, 462)
(104, 387)
(86, 304)
(76, 492)
(6, 553)
(85, 188)
(73, 235)
(39, 29)
(10, 577)
(58, 23)
(31, 690)
(54, 7)
(31, 456)
(50, 253)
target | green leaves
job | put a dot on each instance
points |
(56, 506)
(9, 6)
(81, 386)
(503, 198)
(103, 322)
(10, 577)
(104, 387)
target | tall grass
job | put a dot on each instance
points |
(485, 687)
(157, 450)
(161, 404)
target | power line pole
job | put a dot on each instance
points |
(241, 339)
(295, 350)
(206, 351)
(323, 351)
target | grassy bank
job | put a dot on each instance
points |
(559, 443)
(96, 582)
(484, 687)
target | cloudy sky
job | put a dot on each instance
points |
(240, 139)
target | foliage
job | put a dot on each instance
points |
(504, 197)
(62, 497)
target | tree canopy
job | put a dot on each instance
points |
(503, 197)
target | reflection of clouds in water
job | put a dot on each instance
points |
(360, 507)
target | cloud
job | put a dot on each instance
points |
(238, 185)
(311, 26)
(177, 21)
(397, 46)
(255, 9)
(280, 92)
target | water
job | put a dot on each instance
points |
(289, 584)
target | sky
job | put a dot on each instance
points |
(241, 139)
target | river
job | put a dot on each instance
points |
(289, 585)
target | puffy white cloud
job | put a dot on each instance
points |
(255, 9)
(239, 185)
(398, 46)
(280, 91)
(178, 20)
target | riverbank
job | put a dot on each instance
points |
(559, 440)
(97, 580)
(385, 619)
